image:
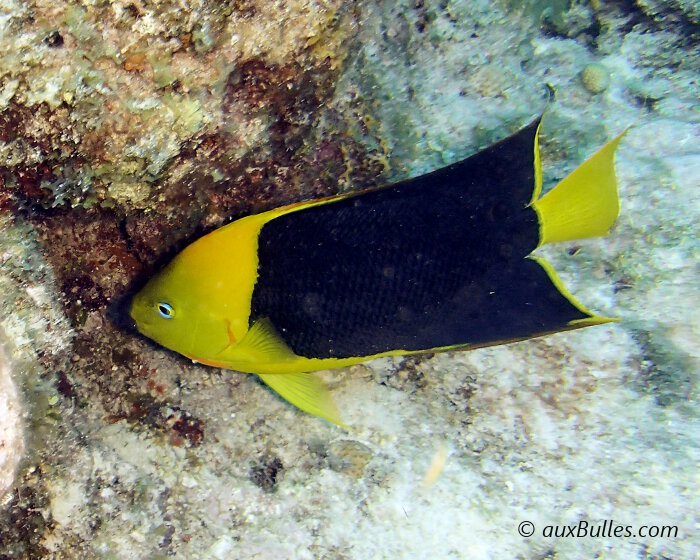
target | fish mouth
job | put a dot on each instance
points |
(119, 313)
(134, 325)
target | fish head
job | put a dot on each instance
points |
(187, 307)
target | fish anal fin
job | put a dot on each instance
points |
(591, 317)
(585, 203)
(305, 391)
(593, 320)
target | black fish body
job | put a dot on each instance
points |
(436, 262)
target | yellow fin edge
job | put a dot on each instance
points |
(538, 166)
(593, 318)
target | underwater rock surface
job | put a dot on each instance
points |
(11, 433)
(128, 127)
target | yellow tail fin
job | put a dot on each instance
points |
(583, 204)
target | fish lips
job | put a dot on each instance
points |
(118, 313)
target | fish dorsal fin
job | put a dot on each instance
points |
(264, 343)
(538, 164)
(305, 391)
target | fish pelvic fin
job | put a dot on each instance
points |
(585, 203)
(305, 391)
(263, 344)
(265, 354)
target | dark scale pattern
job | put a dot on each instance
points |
(433, 261)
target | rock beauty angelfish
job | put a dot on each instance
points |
(437, 262)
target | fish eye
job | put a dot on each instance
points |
(165, 310)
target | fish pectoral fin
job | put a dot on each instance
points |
(231, 339)
(264, 343)
(305, 391)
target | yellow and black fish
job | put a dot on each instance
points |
(438, 262)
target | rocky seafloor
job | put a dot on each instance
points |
(127, 128)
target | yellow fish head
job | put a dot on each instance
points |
(185, 309)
